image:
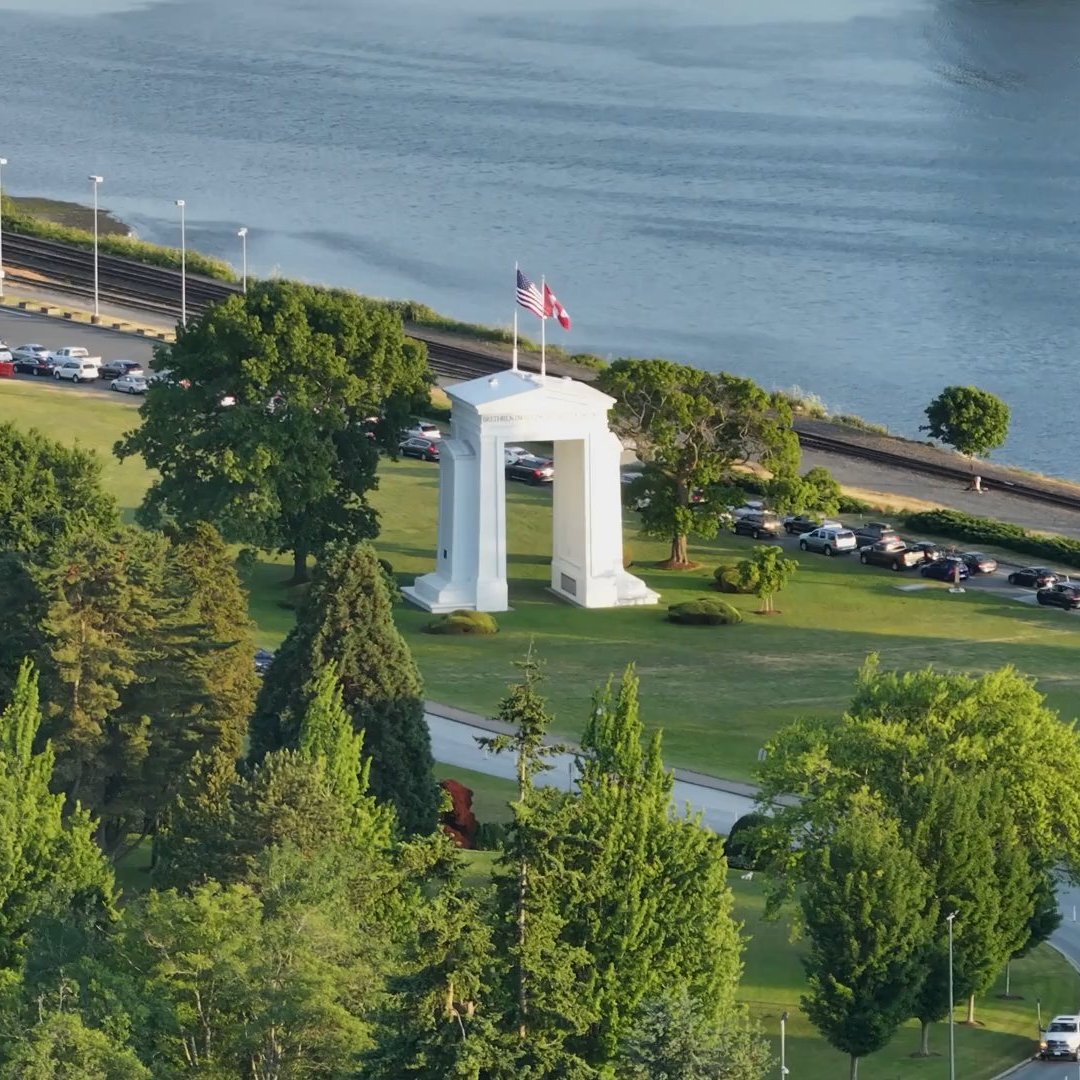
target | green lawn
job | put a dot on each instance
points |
(719, 693)
(1005, 1032)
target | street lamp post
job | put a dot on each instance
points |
(783, 1041)
(952, 1039)
(3, 162)
(96, 180)
(243, 246)
(183, 265)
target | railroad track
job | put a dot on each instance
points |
(914, 463)
(122, 281)
(156, 289)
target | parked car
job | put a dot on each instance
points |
(978, 563)
(1033, 577)
(424, 429)
(760, 524)
(1063, 594)
(531, 470)
(894, 554)
(873, 532)
(32, 360)
(829, 540)
(946, 569)
(129, 384)
(515, 453)
(930, 551)
(5, 353)
(424, 449)
(751, 506)
(73, 352)
(800, 524)
(76, 370)
(263, 659)
(113, 369)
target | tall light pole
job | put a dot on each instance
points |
(243, 245)
(183, 265)
(783, 1040)
(96, 180)
(952, 1038)
(3, 162)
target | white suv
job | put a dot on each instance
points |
(829, 540)
(76, 370)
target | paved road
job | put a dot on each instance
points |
(1067, 939)
(454, 743)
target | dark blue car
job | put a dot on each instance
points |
(945, 570)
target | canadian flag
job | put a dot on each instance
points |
(553, 307)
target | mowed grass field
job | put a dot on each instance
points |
(719, 693)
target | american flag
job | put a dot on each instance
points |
(529, 296)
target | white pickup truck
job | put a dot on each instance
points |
(1061, 1039)
(73, 352)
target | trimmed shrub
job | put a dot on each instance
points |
(463, 622)
(743, 844)
(727, 581)
(977, 530)
(706, 611)
(491, 836)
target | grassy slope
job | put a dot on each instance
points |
(719, 693)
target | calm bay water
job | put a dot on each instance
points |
(867, 198)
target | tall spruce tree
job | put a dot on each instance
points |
(643, 892)
(539, 1000)
(864, 902)
(347, 617)
(47, 858)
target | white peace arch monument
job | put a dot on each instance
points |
(586, 549)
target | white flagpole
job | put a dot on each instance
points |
(543, 343)
(515, 353)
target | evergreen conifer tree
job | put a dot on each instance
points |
(347, 617)
(644, 892)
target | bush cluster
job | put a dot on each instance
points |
(705, 611)
(742, 847)
(127, 247)
(463, 622)
(727, 580)
(977, 530)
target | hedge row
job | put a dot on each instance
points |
(128, 247)
(977, 530)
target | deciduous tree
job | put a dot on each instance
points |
(971, 420)
(258, 427)
(815, 493)
(61, 1045)
(47, 492)
(691, 428)
(900, 724)
(346, 618)
(766, 572)
(864, 902)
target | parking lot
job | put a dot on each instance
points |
(18, 328)
(911, 580)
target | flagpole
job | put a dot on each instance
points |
(543, 343)
(515, 353)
